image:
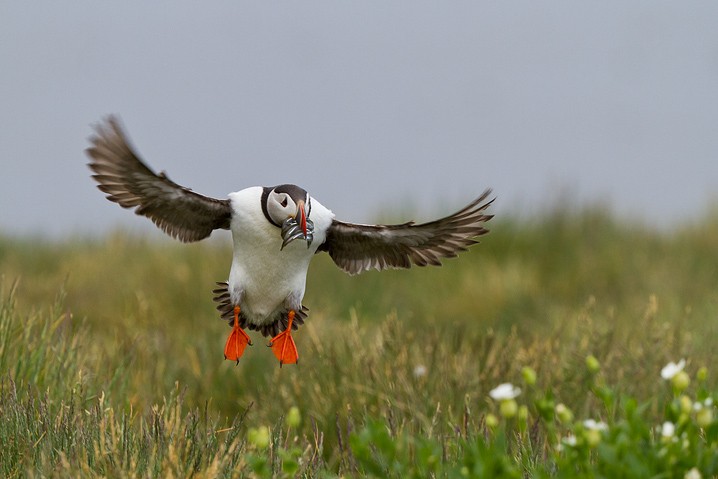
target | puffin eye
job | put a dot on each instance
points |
(284, 202)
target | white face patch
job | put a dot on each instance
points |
(280, 206)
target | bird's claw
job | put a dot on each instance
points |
(237, 341)
(284, 348)
(283, 345)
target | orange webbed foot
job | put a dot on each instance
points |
(283, 345)
(237, 340)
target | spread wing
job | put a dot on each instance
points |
(357, 248)
(129, 182)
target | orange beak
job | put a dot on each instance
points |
(297, 226)
(302, 217)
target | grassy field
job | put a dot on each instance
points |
(111, 360)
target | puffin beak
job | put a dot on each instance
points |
(301, 217)
(298, 226)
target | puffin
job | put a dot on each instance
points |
(276, 231)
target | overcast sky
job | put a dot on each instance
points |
(369, 105)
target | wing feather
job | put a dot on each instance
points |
(129, 182)
(357, 248)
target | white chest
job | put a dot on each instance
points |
(264, 279)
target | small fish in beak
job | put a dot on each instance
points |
(297, 227)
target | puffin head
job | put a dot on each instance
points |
(289, 207)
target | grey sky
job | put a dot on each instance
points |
(367, 104)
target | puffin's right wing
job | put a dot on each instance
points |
(129, 182)
(358, 248)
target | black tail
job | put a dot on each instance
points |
(226, 313)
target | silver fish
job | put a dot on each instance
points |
(292, 230)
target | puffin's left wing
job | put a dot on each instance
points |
(128, 181)
(357, 248)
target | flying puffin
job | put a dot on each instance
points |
(269, 267)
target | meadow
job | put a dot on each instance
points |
(111, 360)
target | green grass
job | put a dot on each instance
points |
(111, 359)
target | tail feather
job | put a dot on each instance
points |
(226, 313)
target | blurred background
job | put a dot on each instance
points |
(372, 106)
(594, 123)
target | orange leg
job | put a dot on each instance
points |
(283, 345)
(237, 340)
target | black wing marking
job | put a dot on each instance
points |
(358, 248)
(129, 182)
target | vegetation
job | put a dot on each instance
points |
(111, 360)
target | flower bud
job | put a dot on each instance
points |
(593, 437)
(259, 437)
(294, 418)
(563, 413)
(681, 380)
(508, 408)
(529, 375)
(523, 413)
(702, 374)
(592, 364)
(686, 404)
(491, 421)
(704, 417)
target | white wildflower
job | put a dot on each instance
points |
(707, 403)
(671, 369)
(593, 431)
(693, 474)
(504, 392)
(569, 440)
(668, 430)
(593, 425)
(420, 371)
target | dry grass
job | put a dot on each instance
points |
(111, 351)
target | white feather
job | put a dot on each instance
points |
(264, 279)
